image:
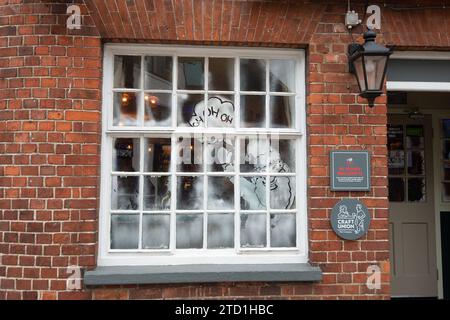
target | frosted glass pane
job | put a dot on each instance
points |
(191, 110)
(253, 75)
(253, 230)
(221, 230)
(158, 73)
(282, 112)
(220, 193)
(253, 193)
(124, 231)
(282, 155)
(191, 73)
(282, 192)
(221, 74)
(156, 193)
(158, 109)
(220, 154)
(189, 193)
(125, 193)
(282, 75)
(282, 230)
(253, 111)
(125, 108)
(157, 154)
(190, 154)
(156, 231)
(189, 231)
(127, 72)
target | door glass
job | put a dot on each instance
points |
(406, 149)
(445, 160)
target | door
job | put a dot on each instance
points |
(411, 202)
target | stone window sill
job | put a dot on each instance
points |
(120, 275)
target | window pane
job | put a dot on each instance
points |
(220, 230)
(396, 162)
(282, 192)
(282, 155)
(125, 193)
(446, 192)
(190, 193)
(221, 74)
(127, 72)
(253, 75)
(282, 75)
(446, 128)
(282, 230)
(220, 111)
(191, 73)
(157, 153)
(191, 110)
(220, 153)
(156, 231)
(396, 189)
(446, 171)
(254, 154)
(446, 150)
(253, 111)
(414, 136)
(253, 193)
(282, 112)
(156, 193)
(416, 190)
(253, 230)
(158, 73)
(125, 108)
(125, 155)
(220, 193)
(190, 154)
(189, 231)
(124, 231)
(158, 109)
(416, 162)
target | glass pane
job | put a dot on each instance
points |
(127, 72)
(125, 231)
(253, 193)
(446, 150)
(282, 155)
(220, 153)
(125, 193)
(220, 111)
(191, 73)
(125, 155)
(395, 137)
(282, 112)
(155, 231)
(375, 66)
(282, 230)
(190, 154)
(253, 75)
(359, 70)
(416, 190)
(446, 173)
(158, 73)
(156, 193)
(158, 109)
(416, 162)
(253, 230)
(190, 193)
(157, 152)
(446, 128)
(396, 189)
(282, 75)
(254, 154)
(414, 136)
(220, 193)
(189, 231)
(125, 108)
(396, 162)
(282, 192)
(220, 230)
(446, 192)
(221, 74)
(253, 111)
(191, 110)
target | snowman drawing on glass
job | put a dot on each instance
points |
(260, 153)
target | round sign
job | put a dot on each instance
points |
(350, 219)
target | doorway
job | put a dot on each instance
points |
(412, 205)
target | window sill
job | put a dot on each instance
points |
(120, 275)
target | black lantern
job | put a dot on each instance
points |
(368, 62)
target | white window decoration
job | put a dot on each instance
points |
(203, 156)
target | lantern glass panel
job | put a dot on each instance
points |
(375, 66)
(358, 64)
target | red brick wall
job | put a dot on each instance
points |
(50, 81)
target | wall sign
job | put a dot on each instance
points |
(350, 219)
(350, 171)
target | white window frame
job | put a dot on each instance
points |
(108, 257)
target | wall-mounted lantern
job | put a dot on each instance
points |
(369, 63)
